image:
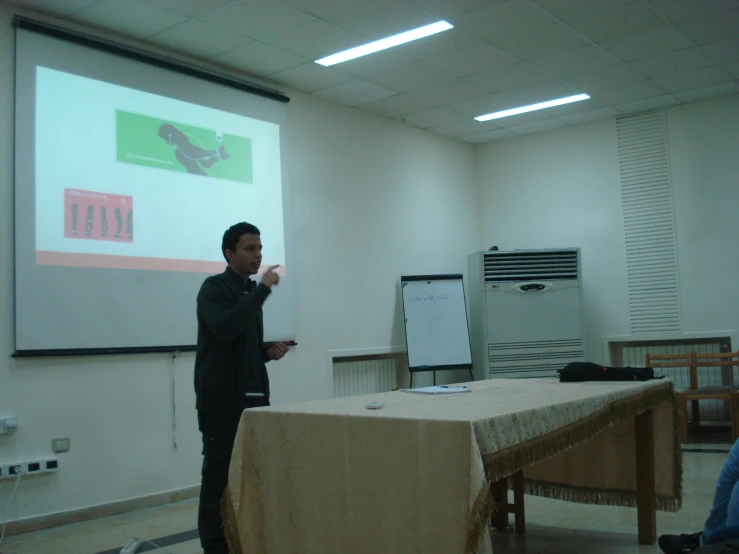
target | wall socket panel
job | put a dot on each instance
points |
(34, 466)
(8, 425)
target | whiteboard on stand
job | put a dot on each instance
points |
(436, 330)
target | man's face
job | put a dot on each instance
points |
(247, 257)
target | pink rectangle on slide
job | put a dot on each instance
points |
(98, 216)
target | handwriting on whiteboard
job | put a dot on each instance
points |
(429, 298)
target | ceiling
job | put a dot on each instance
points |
(628, 55)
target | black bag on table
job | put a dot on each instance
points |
(587, 371)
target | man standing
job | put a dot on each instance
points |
(230, 372)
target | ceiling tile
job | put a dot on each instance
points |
(464, 127)
(433, 117)
(259, 58)
(355, 92)
(649, 43)
(724, 51)
(679, 11)
(381, 18)
(198, 39)
(54, 7)
(315, 40)
(446, 9)
(588, 116)
(311, 77)
(395, 106)
(691, 80)
(136, 18)
(513, 98)
(190, 8)
(409, 77)
(508, 18)
(507, 77)
(528, 117)
(567, 9)
(257, 18)
(478, 59)
(379, 61)
(439, 44)
(537, 126)
(482, 105)
(489, 136)
(672, 62)
(447, 93)
(573, 62)
(657, 103)
(321, 8)
(708, 92)
(547, 40)
(626, 20)
(604, 78)
(732, 69)
(630, 92)
(539, 92)
(713, 29)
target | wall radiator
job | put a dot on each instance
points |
(634, 354)
(355, 375)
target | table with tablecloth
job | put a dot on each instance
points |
(333, 476)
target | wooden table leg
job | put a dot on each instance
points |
(645, 483)
(499, 490)
(518, 505)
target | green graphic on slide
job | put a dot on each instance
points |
(153, 142)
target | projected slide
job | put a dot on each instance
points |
(190, 170)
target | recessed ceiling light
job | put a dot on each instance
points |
(533, 107)
(385, 43)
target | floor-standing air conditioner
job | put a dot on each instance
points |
(525, 312)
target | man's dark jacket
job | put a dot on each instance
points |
(231, 353)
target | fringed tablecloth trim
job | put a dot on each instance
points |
(230, 524)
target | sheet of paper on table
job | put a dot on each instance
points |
(441, 389)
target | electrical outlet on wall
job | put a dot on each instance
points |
(33, 466)
(60, 445)
(8, 426)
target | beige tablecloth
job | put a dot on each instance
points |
(334, 477)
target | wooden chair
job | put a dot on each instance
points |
(696, 393)
(676, 361)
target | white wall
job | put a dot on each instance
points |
(704, 151)
(562, 188)
(371, 200)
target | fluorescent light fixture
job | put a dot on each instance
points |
(533, 107)
(385, 43)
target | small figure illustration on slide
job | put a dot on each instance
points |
(118, 223)
(75, 210)
(193, 158)
(103, 222)
(129, 225)
(89, 220)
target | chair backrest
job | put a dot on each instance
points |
(727, 359)
(686, 361)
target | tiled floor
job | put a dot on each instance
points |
(553, 527)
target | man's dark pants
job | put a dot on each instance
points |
(219, 433)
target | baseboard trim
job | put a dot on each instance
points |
(104, 510)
